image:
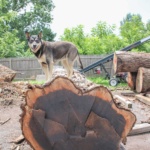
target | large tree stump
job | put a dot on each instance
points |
(61, 117)
(130, 61)
(131, 80)
(143, 80)
(6, 74)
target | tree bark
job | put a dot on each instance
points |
(130, 61)
(6, 74)
(143, 80)
(61, 116)
(131, 80)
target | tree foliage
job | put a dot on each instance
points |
(16, 16)
(34, 16)
(103, 40)
(102, 29)
(10, 45)
(75, 35)
(133, 29)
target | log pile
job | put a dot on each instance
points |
(138, 67)
(60, 116)
(6, 74)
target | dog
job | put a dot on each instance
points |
(49, 53)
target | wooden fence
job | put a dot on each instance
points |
(29, 68)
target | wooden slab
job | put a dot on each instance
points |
(58, 116)
(140, 128)
(143, 99)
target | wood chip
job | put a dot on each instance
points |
(127, 104)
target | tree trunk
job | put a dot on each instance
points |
(6, 74)
(130, 61)
(131, 80)
(59, 116)
(143, 80)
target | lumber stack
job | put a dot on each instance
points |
(138, 67)
(60, 116)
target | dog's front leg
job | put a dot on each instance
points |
(45, 70)
(50, 71)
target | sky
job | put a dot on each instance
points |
(70, 13)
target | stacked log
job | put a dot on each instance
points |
(131, 80)
(143, 80)
(138, 67)
(60, 116)
(6, 74)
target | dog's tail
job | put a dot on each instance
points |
(79, 60)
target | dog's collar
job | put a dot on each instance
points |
(40, 51)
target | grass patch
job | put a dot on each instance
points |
(99, 80)
(105, 82)
(36, 82)
(31, 81)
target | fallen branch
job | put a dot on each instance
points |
(19, 139)
(5, 121)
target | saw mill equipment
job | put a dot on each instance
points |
(115, 80)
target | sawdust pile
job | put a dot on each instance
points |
(79, 79)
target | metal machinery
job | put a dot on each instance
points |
(115, 80)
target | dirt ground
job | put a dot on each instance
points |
(12, 97)
(142, 112)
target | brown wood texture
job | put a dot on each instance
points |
(143, 80)
(130, 61)
(6, 74)
(131, 80)
(60, 116)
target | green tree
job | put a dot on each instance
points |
(129, 18)
(77, 36)
(108, 40)
(133, 29)
(34, 16)
(148, 28)
(103, 40)
(10, 45)
(102, 29)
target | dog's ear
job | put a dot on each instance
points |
(40, 35)
(27, 34)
